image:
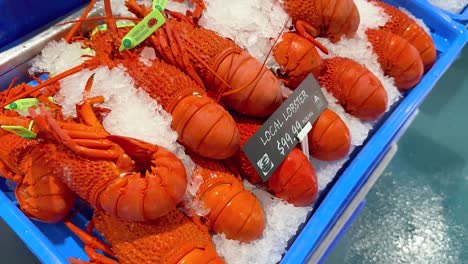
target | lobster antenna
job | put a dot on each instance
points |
(10, 87)
(99, 18)
(111, 24)
(77, 25)
(264, 62)
(44, 84)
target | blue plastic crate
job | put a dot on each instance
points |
(20, 17)
(54, 243)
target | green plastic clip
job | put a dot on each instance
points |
(21, 131)
(119, 23)
(143, 30)
(24, 104)
(159, 4)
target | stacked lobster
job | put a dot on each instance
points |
(218, 96)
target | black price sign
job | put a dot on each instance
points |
(270, 145)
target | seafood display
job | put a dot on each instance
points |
(182, 195)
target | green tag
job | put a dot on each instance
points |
(119, 23)
(20, 131)
(159, 4)
(24, 104)
(143, 30)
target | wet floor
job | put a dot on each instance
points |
(418, 210)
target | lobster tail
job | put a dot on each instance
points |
(255, 90)
(330, 19)
(216, 134)
(294, 180)
(404, 26)
(173, 238)
(397, 57)
(330, 138)
(298, 57)
(358, 90)
(234, 211)
(203, 126)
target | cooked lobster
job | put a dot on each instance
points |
(298, 58)
(397, 57)
(40, 194)
(404, 26)
(358, 90)
(330, 138)
(324, 18)
(294, 180)
(203, 126)
(233, 210)
(125, 177)
(170, 239)
(227, 71)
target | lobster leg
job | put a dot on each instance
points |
(75, 27)
(309, 32)
(47, 122)
(8, 174)
(91, 244)
(200, 7)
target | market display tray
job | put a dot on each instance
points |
(54, 243)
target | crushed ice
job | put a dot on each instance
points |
(253, 24)
(452, 6)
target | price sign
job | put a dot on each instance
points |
(278, 136)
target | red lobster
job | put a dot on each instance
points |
(234, 211)
(324, 18)
(39, 193)
(404, 26)
(203, 126)
(244, 84)
(170, 239)
(294, 180)
(397, 57)
(358, 90)
(125, 177)
(330, 138)
(298, 58)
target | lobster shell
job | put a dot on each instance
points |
(170, 239)
(397, 57)
(39, 193)
(203, 126)
(234, 211)
(298, 58)
(405, 27)
(200, 52)
(294, 180)
(132, 195)
(330, 138)
(331, 19)
(358, 90)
